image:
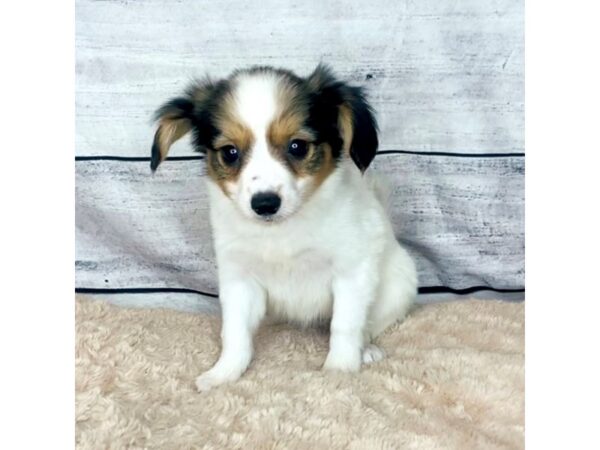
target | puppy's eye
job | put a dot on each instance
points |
(298, 148)
(230, 154)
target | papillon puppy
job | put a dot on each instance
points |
(301, 232)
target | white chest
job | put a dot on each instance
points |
(298, 284)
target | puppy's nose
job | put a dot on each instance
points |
(265, 203)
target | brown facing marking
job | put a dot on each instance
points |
(322, 166)
(231, 127)
(288, 125)
(292, 112)
(221, 173)
(281, 132)
(234, 133)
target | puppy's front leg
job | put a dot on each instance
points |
(243, 307)
(352, 295)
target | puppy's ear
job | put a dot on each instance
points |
(354, 117)
(358, 126)
(177, 117)
(174, 121)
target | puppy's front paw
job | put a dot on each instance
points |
(213, 378)
(371, 353)
(344, 362)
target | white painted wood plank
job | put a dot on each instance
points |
(462, 219)
(138, 229)
(442, 75)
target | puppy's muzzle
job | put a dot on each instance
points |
(265, 203)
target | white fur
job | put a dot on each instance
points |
(255, 99)
(332, 255)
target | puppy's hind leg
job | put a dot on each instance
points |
(396, 294)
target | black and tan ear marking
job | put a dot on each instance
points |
(361, 121)
(343, 117)
(174, 121)
(177, 117)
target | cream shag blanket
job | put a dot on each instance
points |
(453, 379)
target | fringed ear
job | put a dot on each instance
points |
(354, 117)
(174, 121)
(176, 118)
(358, 125)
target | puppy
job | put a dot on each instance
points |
(300, 232)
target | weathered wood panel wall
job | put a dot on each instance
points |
(443, 77)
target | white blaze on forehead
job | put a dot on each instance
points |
(256, 102)
(256, 107)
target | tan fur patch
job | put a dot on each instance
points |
(285, 127)
(319, 168)
(169, 131)
(289, 125)
(234, 133)
(222, 173)
(346, 126)
(290, 117)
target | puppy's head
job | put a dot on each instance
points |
(270, 137)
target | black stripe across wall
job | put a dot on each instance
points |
(422, 290)
(459, 155)
(135, 158)
(141, 291)
(382, 152)
(469, 290)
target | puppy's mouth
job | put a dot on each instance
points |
(263, 219)
(271, 219)
(282, 215)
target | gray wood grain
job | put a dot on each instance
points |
(442, 75)
(462, 219)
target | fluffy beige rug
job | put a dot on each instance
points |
(453, 379)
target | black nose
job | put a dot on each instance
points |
(265, 203)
